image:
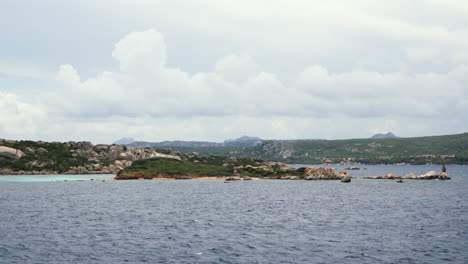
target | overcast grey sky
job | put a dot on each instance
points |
(217, 69)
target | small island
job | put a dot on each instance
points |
(195, 166)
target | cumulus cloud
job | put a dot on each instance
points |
(19, 119)
(148, 99)
(146, 86)
(141, 51)
(366, 93)
(237, 68)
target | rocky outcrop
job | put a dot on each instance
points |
(97, 168)
(346, 179)
(324, 174)
(117, 152)
(10, 152)
(232, 179)
(290, 177)
(34, 172)
(85, 157)
(275, 149)
(118, 157)
(389, 176)
(444, 176)
(432, 175)
(410, 176)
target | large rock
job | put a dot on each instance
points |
(323, 174)
(410, 176)
(389, 176)
(432, 175)
(10, 152)
(346, 179)
(444, 176)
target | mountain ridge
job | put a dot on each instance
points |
(386, 135)
(415, 150)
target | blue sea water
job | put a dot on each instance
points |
(208, 221)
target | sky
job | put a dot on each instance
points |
(211, 70)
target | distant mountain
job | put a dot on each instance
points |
(387, 135)
(244, 141)
(124, 141)
(176, 144)
(243, 138)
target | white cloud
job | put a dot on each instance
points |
(140, 51)
(18, 119)
(324, 70)
(237, 68)
(362, 93)
(25, 70)
(145, 86)
(68, 75)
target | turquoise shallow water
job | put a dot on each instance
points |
(55, 178)
(208, 221)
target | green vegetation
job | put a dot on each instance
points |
(198, 166)
(215, 151)
(51, 156)
(62, 157)
(368, 148)
(418, 150)
(41, 156)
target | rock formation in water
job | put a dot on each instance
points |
(346, 179)
(432, 175)
(389, 176)
(324, 174)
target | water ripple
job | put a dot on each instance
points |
(246, 222)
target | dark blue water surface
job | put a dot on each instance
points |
(264, 221)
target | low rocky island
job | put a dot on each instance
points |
(432, 175)
(197, 166)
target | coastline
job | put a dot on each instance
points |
(181, 178)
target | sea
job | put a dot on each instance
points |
(95, 219)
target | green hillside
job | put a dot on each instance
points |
(436, 145)
(41, 156)
(418, 150)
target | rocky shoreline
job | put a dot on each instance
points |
(166, 169)
(79, 157)
(432, 175)
(75, 158)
